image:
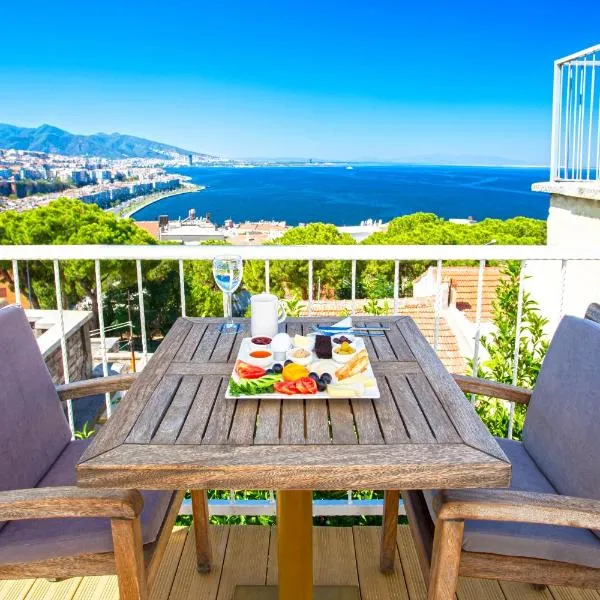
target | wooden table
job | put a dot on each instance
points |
(176, 430)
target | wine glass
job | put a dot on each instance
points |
(227, 271)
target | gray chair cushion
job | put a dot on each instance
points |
(562, 428)
(40, 539)
(33, 426)
(548, 542)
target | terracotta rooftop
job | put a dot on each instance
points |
(464, 281)
(422, 311)
(150, 226)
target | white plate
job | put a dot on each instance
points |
(245, 349)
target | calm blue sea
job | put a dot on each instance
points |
(346, 197)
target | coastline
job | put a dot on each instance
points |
(133, 206)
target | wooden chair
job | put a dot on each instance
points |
(48, 527)
(544, 529)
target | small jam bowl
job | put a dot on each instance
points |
(260, 342)
(342, 358)
(304, 359)
(264, 358)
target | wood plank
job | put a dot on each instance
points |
(389, 530)
(163, 582)
(219, 423)
(191, 342)
(197, 417)
(342, 421)
(334, 560)
(478, 589)
(292, 421)
(415, 421)
(513, 590)
(392, 367)
(390, 420)
(374, 585)
(209, 341)
(154, 410)
(201, 369)
(398, 343)
(571, 593)
(43, 589)
(267, 425)
(128, 410)
(438, 419)
(244, 421)
(224, 346)
(318, 467)
(191, 585)
(98, 385)
(461, 412)
(174, 418)
(15, 589)
(104, 587)
(410, 565)
(382, 344)
(245, 559)
(317, 423)
(365, 420)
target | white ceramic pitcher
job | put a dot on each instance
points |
(267, 311)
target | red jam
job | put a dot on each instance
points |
(261, 340)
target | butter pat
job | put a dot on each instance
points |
(345, 390)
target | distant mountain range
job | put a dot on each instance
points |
(47, 138)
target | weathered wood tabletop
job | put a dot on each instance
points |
(175, 429)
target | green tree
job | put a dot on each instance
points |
(290, 277)
(376, 277)
(500, 347)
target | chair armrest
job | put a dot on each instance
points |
(69, 501)
(520, 507)
(475, 385)
(89, 387)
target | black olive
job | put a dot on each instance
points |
(321, 385)
(269, 372)
(326, 378)
(277, 368)
(287, 362)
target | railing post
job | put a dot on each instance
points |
(354, 287)
(267, 277)
(515, 372)
(478, 321)
(396, 285)
(182, 287)
(63, 343)
(16, 282)
(556, 123)
(140, 285)
(310, 287)
(438, 305)
(100, 303)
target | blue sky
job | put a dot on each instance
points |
(386, 80)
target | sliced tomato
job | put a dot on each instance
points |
(248, 371)
(285, 387)
(306, 385)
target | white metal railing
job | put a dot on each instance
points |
(575, 149)
(268, 254)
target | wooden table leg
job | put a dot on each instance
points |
(200, 513)
(445, 560)
(129, 558)
(389, 530)
(294, 533)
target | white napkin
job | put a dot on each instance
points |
(347, 322)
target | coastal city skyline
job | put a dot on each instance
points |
(241, 81)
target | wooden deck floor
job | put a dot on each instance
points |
(248, 555)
